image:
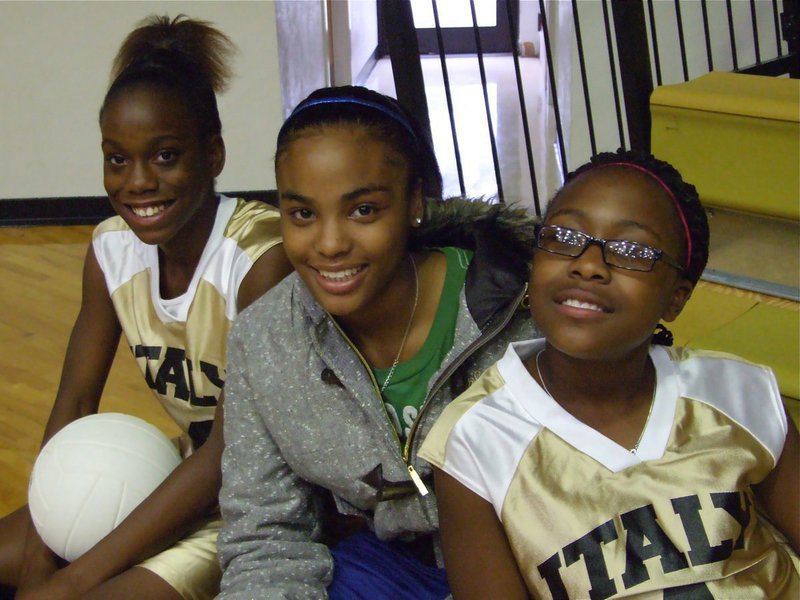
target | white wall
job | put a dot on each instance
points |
(54, 67)
(302, 49)
(529, 22)
(363, 37)
(354, 37)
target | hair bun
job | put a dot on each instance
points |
(176, 43)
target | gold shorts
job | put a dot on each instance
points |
(191, 565)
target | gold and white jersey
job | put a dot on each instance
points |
(180, 343)
(587, 518)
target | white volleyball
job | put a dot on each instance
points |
(91, 475)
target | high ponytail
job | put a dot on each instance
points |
(187, 56)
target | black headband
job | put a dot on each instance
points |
(395, 115)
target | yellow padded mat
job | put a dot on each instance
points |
(736, 137)
(760, 328)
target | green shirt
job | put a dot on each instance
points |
(406, 391)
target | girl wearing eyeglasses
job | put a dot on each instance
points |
(598, 462)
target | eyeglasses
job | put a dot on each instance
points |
(623, 254)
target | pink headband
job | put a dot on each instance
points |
(670, 194)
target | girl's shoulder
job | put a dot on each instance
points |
(249, 214)
(275, 308)
(110, 225)
(696, 365)
(481, 436)
(119, 252)
(254, 226)
(744, 391)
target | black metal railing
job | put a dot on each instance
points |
(645, 41)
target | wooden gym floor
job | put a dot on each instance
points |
(40, 270)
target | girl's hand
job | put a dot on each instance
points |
(39, 568)
(55, 587)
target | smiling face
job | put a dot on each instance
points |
(587, 309)
(157, 172)
(346, 212)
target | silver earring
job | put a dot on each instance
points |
(418, 221)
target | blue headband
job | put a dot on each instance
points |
(395, 115)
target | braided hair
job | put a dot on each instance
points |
(687, 204)
(382, 116)
(182, 55)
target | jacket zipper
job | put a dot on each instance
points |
(483, 339)
(374, 381)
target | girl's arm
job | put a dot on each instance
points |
(90, 353)
(779, 493)
(267, 546)
(269, 269)
(186, 496)
(477, 556)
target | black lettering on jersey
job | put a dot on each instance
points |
(641, 524)
(645, 539)
(590, 547)
(701, 552)
(148, 353)
(549, 572)
(199, 432)
(172, 371)
(693, 591)
(733, 502)
(212, 374)
(177, 370)
(190, 379)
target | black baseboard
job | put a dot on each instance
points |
(81, 210)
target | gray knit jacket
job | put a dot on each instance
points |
(303, 416)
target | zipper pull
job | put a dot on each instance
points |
(423, 491)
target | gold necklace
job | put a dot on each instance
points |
(539, 373)
(408, 326)
(647, 420)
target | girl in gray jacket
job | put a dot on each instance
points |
(398, 302)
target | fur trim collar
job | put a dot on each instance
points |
(460, 221)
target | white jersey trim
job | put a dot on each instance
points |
(130, 255)
(223, 264)
(499, 412)
(746, 393)
(549, 414)
(517, 412)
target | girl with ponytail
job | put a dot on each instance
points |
(171, 270)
